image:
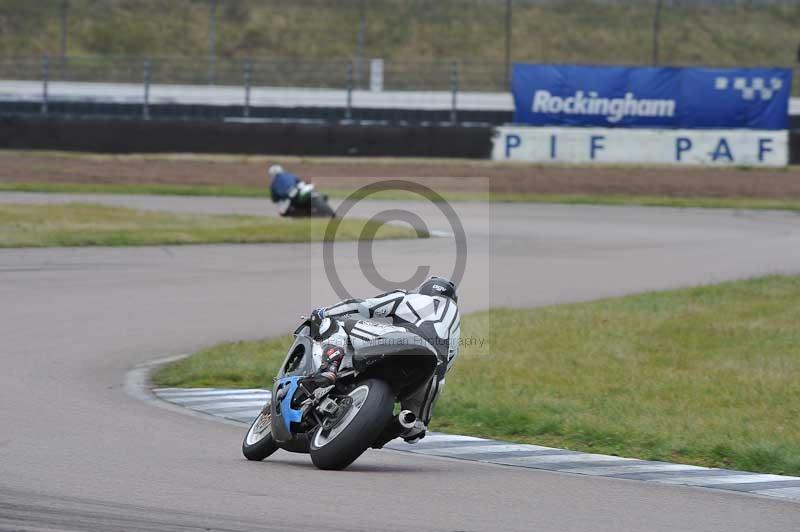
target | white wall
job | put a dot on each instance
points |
(21, 90)
(725, 147)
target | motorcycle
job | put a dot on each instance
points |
(383, 364)
(309, 203)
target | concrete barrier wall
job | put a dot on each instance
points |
(204, 136)
(794, 146)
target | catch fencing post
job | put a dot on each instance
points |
(656, 30)
(212, 42)
(45, 82)
(362, 28)
(248, 77)
(348, 113)
(146, 106)
(63, 44)
(454, 92)
(508, 42)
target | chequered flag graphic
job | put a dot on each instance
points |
(751, 88)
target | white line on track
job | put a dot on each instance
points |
(243, 405)
(746, 478)
(788, 493)
(647, 468)
(479, 449)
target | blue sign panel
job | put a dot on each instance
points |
(594, 96)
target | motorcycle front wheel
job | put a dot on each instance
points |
(370, 408)
(321, 207)
(258, 442)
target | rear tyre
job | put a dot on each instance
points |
(360, 426)
(258, 442)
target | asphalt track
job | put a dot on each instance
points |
(78, 453)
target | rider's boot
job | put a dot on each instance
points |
(414, 434)
(334, 340)
(332, 357)
(395, 429)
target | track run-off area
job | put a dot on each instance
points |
(79, 453)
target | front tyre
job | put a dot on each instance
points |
(321, 207)
(258, 442)
(360, 426)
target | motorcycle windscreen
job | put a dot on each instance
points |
(299, 359)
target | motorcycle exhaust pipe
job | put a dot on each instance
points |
(407, 419)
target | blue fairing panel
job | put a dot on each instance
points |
(288, 413)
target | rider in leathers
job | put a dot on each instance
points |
(430, 311)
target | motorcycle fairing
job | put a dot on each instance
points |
(403, 358)
(299, 359)
(283, 415)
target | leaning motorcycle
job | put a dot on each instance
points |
(383, 364)
(310, 203)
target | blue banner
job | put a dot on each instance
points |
(691, 98)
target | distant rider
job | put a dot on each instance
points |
(430, 311)
(284, 188)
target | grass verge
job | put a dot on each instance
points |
(568, 199)
(580, 31)
(160, 190)
(707, 375)
(81, 224)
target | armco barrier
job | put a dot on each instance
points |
(131, 136)
(150, 136)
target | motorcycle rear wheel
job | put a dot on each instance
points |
(361, 425)
(258, 443)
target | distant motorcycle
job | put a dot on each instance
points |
(309, 203)
(337, 423)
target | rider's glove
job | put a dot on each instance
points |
(315, 321)
(317, 315)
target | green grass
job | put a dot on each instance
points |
(162, 190)
(250, 364)
(570, 199)
(255, 159)
(587, 199)
(707, 375)
(654, 201)
(80, 224)
(582, 31)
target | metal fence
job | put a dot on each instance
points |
(674, 32)
(441, 91)
(341, 74)
(433, 54)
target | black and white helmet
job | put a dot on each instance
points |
(274, 170)
(438, 286)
